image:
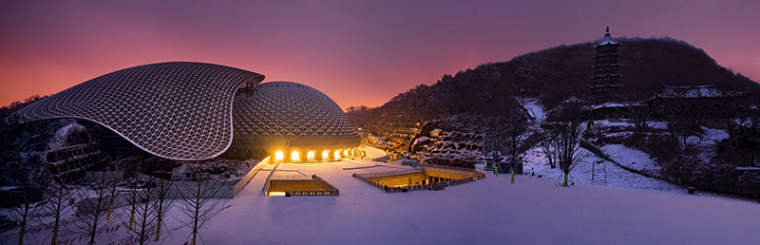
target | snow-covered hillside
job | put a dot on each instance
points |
(604, 173)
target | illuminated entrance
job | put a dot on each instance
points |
(312, 155)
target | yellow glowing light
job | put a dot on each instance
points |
(325, 155)
(295, 156)
(277, 194)
(311, 156)
(337, 154)
(346, 153)
(279, 156)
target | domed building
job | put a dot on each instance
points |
(292, 122)
(187, 111)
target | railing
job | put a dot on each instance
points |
(334, 191)
(447, 167)
(312, 193)
(391, 173)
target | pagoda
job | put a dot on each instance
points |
(606, 79)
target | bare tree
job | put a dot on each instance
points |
(549, 144)
(567, 129)
(134, 199)
(680, 121)
(22, 212)
(145, 212)
(93, 208)
(640, 116)
(57, 195)
(513, 133)
(199, 200)
(163, 204)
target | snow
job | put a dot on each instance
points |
(632, 158)
(613, 123)
(534, 107)
(712, 135)
(701, 91)
(658, 125)
(488, 211)
(590, 165)
(614, 104)
(607, 40)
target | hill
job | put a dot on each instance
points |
(552, 75)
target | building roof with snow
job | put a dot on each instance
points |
(700, 91)
(607, 39)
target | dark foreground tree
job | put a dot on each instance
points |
(199, 200)
(566, 129)
(93, 208)
(21, 213)
(163, 204)
(549, 144)
(145, 212)
(640, 115)
(512, 133)
(58, 194)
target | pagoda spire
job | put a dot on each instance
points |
(606, 69)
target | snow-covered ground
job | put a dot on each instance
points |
(592, 166)
(631, 158)
(488, 211)
(535, 110)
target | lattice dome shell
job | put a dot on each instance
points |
(277, 110)
(175, 110)
(288, 109)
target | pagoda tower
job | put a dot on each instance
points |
(606, 79)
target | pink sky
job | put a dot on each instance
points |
(357, 52)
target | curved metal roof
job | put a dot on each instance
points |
(288, 109)
(174, 110)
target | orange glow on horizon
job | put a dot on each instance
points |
(51, 47)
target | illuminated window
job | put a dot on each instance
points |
(346, 153)
(277, 194)
(325, 155)
(337, 154)
(311, 156)
(295, 156)
(279, 156)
